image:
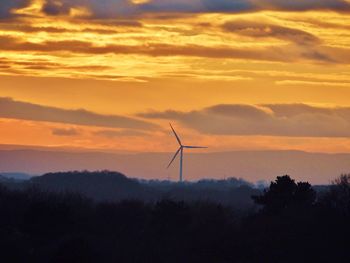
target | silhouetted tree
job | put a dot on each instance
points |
(304, 194)
(338, 196)
(39, 226)
(285, 193)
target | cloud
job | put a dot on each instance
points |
(55, 8)
(291, 110)
(119, 133)
(294, 120)
(197, 6)
(321, 23)
(12, 109)
(65, 132)
(302, 5)
(283, 54)
(313, 83)
(93, 27)
(123, 8)
(128, 8)
(99, 8)
(259, 30)
(8, 6)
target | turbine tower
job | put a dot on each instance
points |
(181, 151)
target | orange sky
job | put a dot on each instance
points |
(231, 75)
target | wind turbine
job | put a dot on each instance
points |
(181, 151)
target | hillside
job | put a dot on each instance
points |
(317, 168)
(101, 186)
(114, 186)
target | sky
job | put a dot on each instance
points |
(228, 74)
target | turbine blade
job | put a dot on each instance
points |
(177, 137)
(194, 147)
(177, 152)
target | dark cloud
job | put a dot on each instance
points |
(99, 8)
(12, 109)
(295, 120)
(119, 133)
(236, 6)
(65, 132)
(55, 8)
(261, 29)
(197, 6)
(284, 54)
(106, 9)
(302, 5)
(124, 8)
(8, 6)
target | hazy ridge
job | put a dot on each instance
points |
(317, 168)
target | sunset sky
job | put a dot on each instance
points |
(229, 74)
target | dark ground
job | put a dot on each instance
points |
(290, 222)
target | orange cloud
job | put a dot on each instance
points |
(182, 55)
(28, 111)
(261, 29)
(115, 8)
(293, 120)
(283, 54)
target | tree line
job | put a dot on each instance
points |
(293, 223)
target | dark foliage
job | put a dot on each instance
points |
(284, 194)
(338, 197)
(113, 186)
(39, 226)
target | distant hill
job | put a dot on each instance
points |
(231, 191)
(317, 168)
(114, 186)
(17, 176)
(101, 186)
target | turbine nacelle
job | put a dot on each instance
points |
(194, 147)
